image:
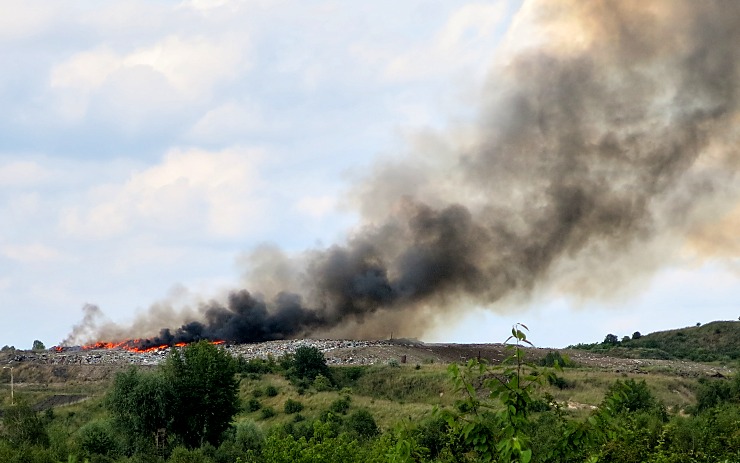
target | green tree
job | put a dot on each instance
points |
(307, 363)
(193, 396)
(611, 339)
(38, 345)
(205, 392)
(141, 404)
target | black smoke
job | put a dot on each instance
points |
(589, 150)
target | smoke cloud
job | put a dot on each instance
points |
(606, 136)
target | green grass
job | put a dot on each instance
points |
(717, 341)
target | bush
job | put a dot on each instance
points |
(97, 438)
(249, 436)
(255, 366)
(363, 424)
(393, 363)
(183, 455)
(321, 383)
(560, 382)
(292, 406)
(23, 427)
(271, 391)
(632, 396)
(554, 358)
(347, 376)
(267, 412)
(253, 405)
(340, 405)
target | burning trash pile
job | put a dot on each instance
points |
(337, 352)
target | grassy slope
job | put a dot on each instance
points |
(715, 341)
(395, 393)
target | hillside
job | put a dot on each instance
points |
(715, 341)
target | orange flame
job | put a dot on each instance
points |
(132, 345)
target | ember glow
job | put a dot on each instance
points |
(140, 346)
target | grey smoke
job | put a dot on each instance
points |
(583, 160)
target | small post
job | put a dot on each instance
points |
(12, 395)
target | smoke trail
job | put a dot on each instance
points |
(606, 129)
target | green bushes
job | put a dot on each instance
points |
(362, 423)
(292, 406)
(97, 438)
(271, 391)
(23, 427)
(267, 412)
(341, 405)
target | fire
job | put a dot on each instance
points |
(132, 345)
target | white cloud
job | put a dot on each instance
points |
(228, 121)
(30, 253)
(22, 174)
(317, 206)
(171, 72)
(466, 40)
(25, 19)
(190, 191)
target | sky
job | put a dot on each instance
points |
(149, 148)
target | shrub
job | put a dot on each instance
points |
(292, 406)
(253, 405)
(363, 424)
(632, 396)
(553, 358)
(249, 436)
(267, 412)
(255, 366)
(97, 438)
(560, 382)
(321, 383)
(340, 405)
(393, 363)
(347, 376)
(22, 426)
(183, 455)
(271, 391)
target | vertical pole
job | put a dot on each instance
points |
(12, 394)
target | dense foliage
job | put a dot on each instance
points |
(193, 398)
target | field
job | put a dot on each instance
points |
(377, 399)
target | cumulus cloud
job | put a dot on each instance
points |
(190, 191)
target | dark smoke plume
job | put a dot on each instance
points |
(605, 130)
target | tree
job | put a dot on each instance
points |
(141, 404)
(38, 345)
(307, 363)
(636, 335)
(611, 339)
(205, 392)
(193, 396)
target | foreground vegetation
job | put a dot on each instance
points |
(202, 406)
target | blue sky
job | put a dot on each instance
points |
(147, 148)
